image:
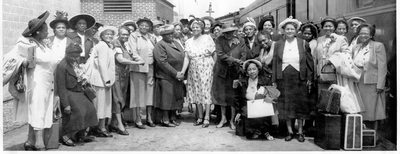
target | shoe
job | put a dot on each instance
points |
(198, 122)
(289, 137)
(301, 138)
(222, 124)
(206, 124)
(117, 130)
(140, 126)
(28, 146)
(268, 137)
(150, 124)
(101, 133)
(232, 126)
(167, 124)
(255, 135)
(34, 148)
(174, 122)
(67, 141)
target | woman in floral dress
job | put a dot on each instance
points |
(199, 80)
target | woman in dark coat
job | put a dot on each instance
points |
(292, 73)
(225, 72)
(247, 89)
(123, 57)
(78, 111)
(171, 63)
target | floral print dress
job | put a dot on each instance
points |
(200, 73)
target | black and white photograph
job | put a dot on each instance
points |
(265, 76)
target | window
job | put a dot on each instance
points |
(117, 6)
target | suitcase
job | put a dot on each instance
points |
(352, 132)
(329, 101)
(368, 138)
(240, 127)
(328, 131)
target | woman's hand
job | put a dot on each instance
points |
(151, 81)
(67, 110)
(237, 118)
(180, 76)
(108, 83)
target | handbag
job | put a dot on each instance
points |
(19, 85)
(328, 74)
(89, 92)
(259, 108)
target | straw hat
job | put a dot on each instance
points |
(34, 24)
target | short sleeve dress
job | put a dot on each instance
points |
(200, 73)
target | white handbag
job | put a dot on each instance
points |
(259, 108)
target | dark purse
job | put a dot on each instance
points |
(89, 92)
(328, 74)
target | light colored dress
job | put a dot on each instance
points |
(40, 88)
(200, 75)
(141, 92)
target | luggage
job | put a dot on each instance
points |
(51, 136)
(352, 132)
(328, 74)
(368, 138)
(329, 101)
(240, 128)
(328, 131)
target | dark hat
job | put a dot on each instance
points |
(90, 20)
(34, 24)
(61, 16)
(329, 19)
(216, 24)
(73, 48)
(265, 19)
(145, 20)
(184, 21)
(228, 28)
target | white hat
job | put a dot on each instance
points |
(290, 19)
(102, 29)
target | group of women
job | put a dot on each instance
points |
(200, 61)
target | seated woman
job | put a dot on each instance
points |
(78, 111)
(246, 89)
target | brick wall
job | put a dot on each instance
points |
(140, 8)
(17, 13)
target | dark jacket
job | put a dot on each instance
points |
(88, 43)
(240, 93)
(250, 53)
(306, 60)
(66, 81)
(225, 57)
(169, 60)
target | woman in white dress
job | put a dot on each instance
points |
(200, 75)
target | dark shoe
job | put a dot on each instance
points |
(174, 122)
(289, 137)
(38, 148)
(206, 124)
(140, 126)
(253, 136)
(198, 122)
(28, 146)
(301, 138)
(150, 124)
(103, 134)
(119, 131)
(67, 141)
(167, 124)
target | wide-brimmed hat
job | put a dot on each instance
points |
(265, 19)
(167, 29)
(208, 18)
(258, 63)
(61, 16)
(228, 28)
(90, 20)
(102, 29)
(34, 24)
(287, 20)
(356, 18)
(329, 19)
(145, 20)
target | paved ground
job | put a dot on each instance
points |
(182, 138)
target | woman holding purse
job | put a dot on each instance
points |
(102, 76)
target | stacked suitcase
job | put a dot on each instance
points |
(336, 130)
